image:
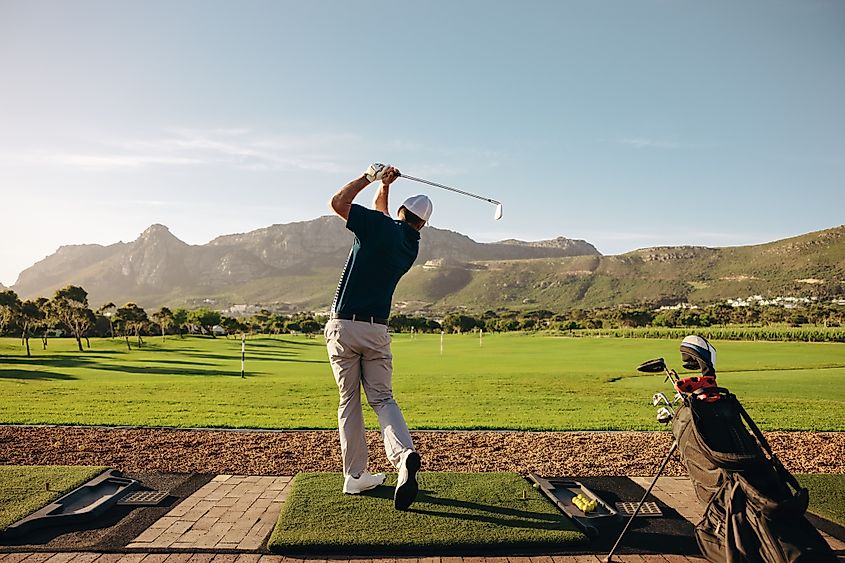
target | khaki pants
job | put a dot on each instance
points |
(360, 354)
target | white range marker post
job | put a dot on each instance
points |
(480, 337)
(441, 342)
(243, 354)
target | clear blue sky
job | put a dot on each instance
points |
(627, 124)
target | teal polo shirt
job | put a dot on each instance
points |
(383, 250)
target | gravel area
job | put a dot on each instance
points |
(286, 453)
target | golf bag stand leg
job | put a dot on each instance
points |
(609, 557)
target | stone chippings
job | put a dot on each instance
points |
(287, 453)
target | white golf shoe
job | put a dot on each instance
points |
(365, 482)
(406, 482)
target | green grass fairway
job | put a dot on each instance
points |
(23, 488)
(827, 495)
(453, 511)
(510, 381)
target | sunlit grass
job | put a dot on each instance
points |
(507, 381)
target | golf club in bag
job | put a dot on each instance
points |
(754, 508)
(496, 215)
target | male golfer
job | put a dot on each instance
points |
(356, 336)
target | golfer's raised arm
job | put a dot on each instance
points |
(341, 202)
(380, 199)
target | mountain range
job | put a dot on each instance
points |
(295, 266)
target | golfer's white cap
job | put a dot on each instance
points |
(420, 206)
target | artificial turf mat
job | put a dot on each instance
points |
(24, 488)
(454, 512)
(119, 525)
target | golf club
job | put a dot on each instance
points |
(658, 398)
(664, 415)
(498, 213)
(658, 365)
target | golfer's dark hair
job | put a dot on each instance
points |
(412, 219)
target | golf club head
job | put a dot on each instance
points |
(664, 415)
(498, 213)
(677, 398)
(658, 398)
(657, 365)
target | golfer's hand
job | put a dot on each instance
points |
(390, 174)
(375, 171)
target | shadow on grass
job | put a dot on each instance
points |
(278, 341)
(34, 375)
(56, 361)
(496, 515)
(181, 362)
(164, 370)
(264, 357)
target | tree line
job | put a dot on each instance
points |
(714, 315)
(68, 312)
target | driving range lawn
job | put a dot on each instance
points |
(827, 495)
(24, 488)
(453, 511)
(506, 381)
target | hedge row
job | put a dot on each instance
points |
(791, 334)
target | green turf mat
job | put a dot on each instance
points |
(453, 512)
(827, 495)
(23, 488)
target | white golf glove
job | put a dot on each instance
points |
(375, 171)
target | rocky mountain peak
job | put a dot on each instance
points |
(575, 246)
(158, 233)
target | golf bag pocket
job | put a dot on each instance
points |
(783, 532)
(743, 525)
(710, 531)
(723, 534)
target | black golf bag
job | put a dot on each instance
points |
(754, 506)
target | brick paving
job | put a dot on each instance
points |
(234, 512)
(187, 557)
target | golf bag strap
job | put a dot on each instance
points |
(765, 445)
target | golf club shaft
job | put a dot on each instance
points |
(436, 185)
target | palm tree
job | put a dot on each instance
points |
(164, 318)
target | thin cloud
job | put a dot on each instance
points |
(248, 150)
(106, 161)
(646, 143)
(238, 148)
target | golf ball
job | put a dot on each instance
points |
(536, 485)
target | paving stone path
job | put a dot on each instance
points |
(256, 558)
(234, 512)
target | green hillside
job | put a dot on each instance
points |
(808, 265)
